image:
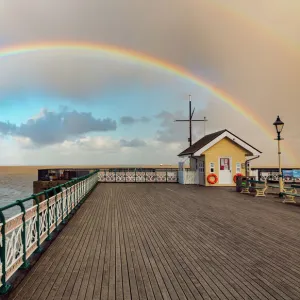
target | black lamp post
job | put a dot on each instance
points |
(279, 126)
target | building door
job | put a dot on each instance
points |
(201, 173)
(225, 174)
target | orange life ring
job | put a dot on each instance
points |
(210, 180)
(236, 175)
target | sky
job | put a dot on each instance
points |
(87, 107)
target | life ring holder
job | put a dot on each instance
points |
(236, 175)
(210, 180)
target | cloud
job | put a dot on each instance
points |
(100, 144)
(7, 128)
(93, 143)
(177, 133)
(171, 131)
(260, 68)
(52, 127)
(96, 150)
(127, 120)
(133, 143)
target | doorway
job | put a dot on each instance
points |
(201, 173)
(225, 176)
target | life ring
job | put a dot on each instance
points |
(236, 175)
(210, 180)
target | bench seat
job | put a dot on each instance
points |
(290, 197)
(259, 190)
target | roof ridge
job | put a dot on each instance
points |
(205, 140)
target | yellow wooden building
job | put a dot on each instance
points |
(218, 157)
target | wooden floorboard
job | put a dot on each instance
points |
(169, 241)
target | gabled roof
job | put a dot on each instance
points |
(209, 140)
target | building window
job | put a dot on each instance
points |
(201, 166)
(225, 164)
(238, 167)
(212, 167)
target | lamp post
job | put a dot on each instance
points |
(279, 126)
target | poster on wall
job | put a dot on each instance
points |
(296, 175)
(287, 175)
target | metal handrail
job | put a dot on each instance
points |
(23, 234)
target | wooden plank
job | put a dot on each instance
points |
(100, 262)
(168, 241)
(130, 290)
(153, 251)
(147, 292)
(209, 258)
(78, 287)
(41, 278)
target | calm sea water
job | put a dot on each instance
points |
(14, 187)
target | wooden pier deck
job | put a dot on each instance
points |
(168, 241)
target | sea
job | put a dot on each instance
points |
(14, 187)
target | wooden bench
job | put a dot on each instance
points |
(291, 193)
(285, 189)
(260, 187)
(295, 186)
(245, 187)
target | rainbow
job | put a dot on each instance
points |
(283, 41)
(145, 60)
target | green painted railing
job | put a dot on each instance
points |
(24, 233)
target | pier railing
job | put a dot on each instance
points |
(23, 234)
(152, 175)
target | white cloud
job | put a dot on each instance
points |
(23, 142)
(261, 71)
(49, 127)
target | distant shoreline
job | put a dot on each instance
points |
(33, 169)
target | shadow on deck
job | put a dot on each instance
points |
(169, 241)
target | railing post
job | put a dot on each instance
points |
(56, 211)
(5, 286)
(67, 201)
(80, 192)
(48, 213)
(76, 194)
(62, 203)
(71, 198)
(85, 187)
(37, 201)
(24, 242)
(166, 176)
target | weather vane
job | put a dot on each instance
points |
(190, 120)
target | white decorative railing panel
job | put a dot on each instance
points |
(138, 176)
(188, 177)
(24, 233)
